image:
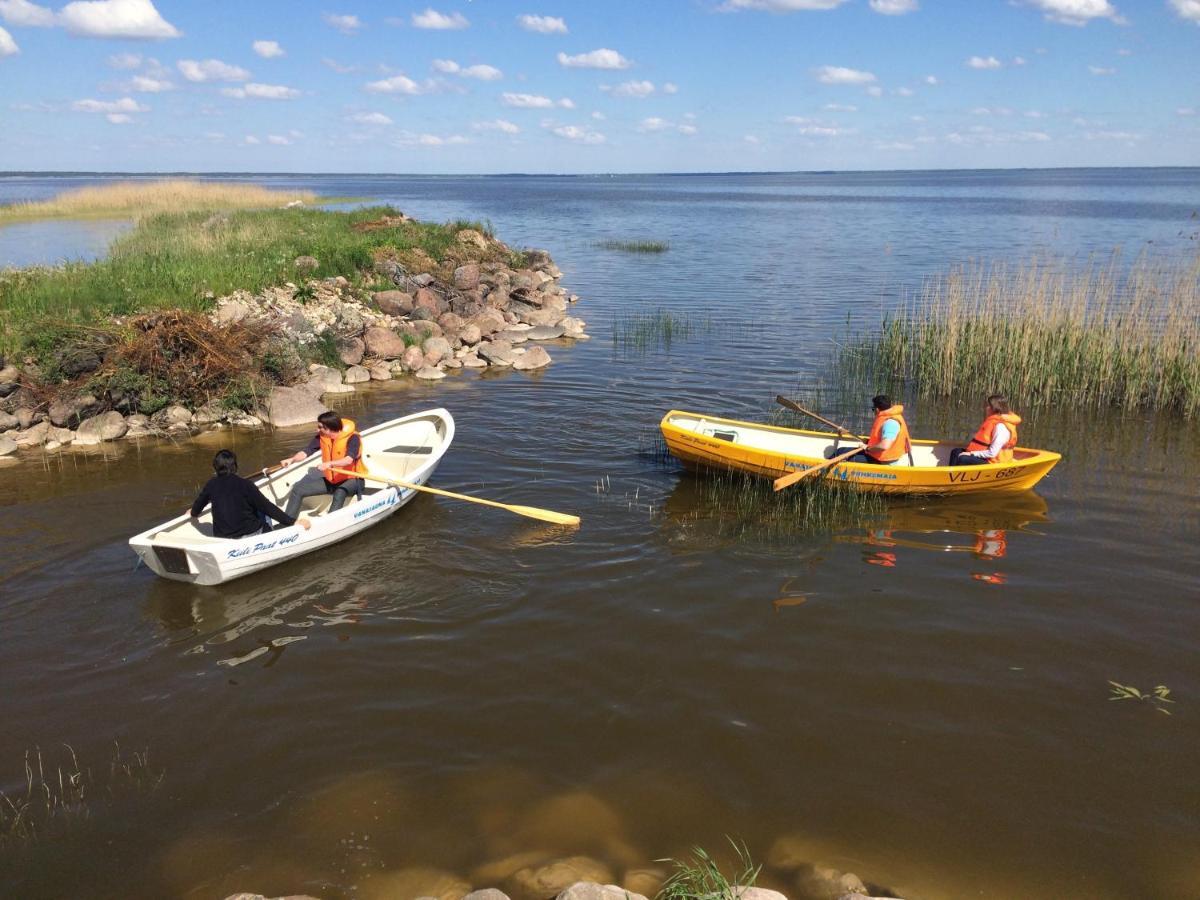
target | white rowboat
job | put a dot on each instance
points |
(407, 449)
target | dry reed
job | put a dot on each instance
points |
(1043, 332)
(138, 199)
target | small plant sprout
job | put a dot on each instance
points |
(1156, 698)
(701, 878)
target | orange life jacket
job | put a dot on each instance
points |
(333, 446)
(983, 437)
(900, 445)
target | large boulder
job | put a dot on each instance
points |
(496, 353)
(171, 415)
(7, 445)
(357, 375)
(533, 315)
(79, 361)
(430, 373)
(470, 334)
(288, 406)
(436, 349)
(69, 413)
(489, 322)
(9, 375)
(380, 371)
(533, 358)
(550, 879)
(450, 321)
(572, 326)
(544, 332)
(324, 380)
(427, 299)
(109, 426)
(413, 359)
(351, 350)
(466, 278)
(393, 303)
(8, 421)
(589, 890)
(409, 884)
(33, 436)
(383, 343)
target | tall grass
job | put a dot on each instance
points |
(701, 878)
(183, 260)
(641, 331)
(1044, 332)
(635, 246)
(140, 199)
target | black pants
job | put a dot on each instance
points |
(313, 484)
(860, 457)
(958, 459)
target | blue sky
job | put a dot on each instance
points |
(483, 86)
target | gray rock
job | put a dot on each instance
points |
(532, 315)
(288, 406)
(383, 343)
(244, 420)
(172, 415)
(436, 349)
(351, 350)
(137, 420)
(472, 361)
(323, 380)
(7, 445)
(109, 426)
(10, 375)
(211, 412)
(522, 279)
(380, 371)
(510, 335)
(422, 314)
(550, 879)
(8, 388)
(466, 278)
(497, 353)
(533, 358)
(572, 326)
(589, 890)
(78, 362)
(349, 322)
(486, 894)
(232, 311)
(744, 892)
(413, 359)
(470, 335)
(306, 264)
(429, 373)
(393, 303)
(545, 332)
(68, 413)
(26, 417)
(356, 375)
(34, 436)
(427, 299)
(8, 421)
(450, 321)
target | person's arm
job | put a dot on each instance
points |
(1000, 437)
(260, 502)
(313, 446)
(353, 452)
(200, 502)
(887, 436)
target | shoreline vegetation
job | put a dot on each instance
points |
(1092, 337)
(139, 199)
(199, 318)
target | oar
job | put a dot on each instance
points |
(533, 512)
(792, 477)
(793, 405)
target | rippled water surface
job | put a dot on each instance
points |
(923, 701)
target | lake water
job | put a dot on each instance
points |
(923, 702)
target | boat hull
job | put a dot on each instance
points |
(710, 442)
(179, 551)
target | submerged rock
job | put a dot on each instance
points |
(7, 445)
(429, 373)
(535, 883)
(533, 358)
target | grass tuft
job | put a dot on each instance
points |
(701, 878)
(139, 199)
(635, 246)
(642, 331)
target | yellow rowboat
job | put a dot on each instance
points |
(771, 452)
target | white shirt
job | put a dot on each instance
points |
(1000, 436)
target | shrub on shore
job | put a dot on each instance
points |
(138, 199)
(1043, 333)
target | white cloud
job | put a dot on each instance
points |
(542, 24)
(1076, 12)
(1187, 9)
(433, 20)
(446, 66)
(931, 79)
(670, 88)
(262, 92)
(566, 103)
(654, 123)
(1125, 52)
(598, 116)
(8, 47)
(750, 138)
(895, 145)
(874, 90)
(1019, 61)
(840, 107)
(984, 62)
(991, 111)
(903, 92)
(497, 125)
(344, 24)
(1128, 136)
(278, 140)
(398, 84)
(119, 118)
(916, 118)
(578, 135)
(526, 101)
(372, 118)
(408, 139)
(842, 75)
(24, 14)
(482, 72)
(144, 84)
(136, 19)
(1101, 70)
(1185, 111)
(124, 105)
(982, 134)
(894, 7)
(638, 89)
(780, 6)
(251, 140)
(211, 70)
(596, 59)
(125, 61)
(268, 49)
(811, 128)
(1034, 114)
(338, 67)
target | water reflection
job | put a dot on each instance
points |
(58, 240)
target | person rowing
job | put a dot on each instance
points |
(888, 441)
(239, 508)
(341, 452)
(995, 439)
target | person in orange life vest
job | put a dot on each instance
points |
(995, 439)
(889, 440)
(341, 448)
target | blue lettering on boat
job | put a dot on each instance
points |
(262, 546)
(388, 500)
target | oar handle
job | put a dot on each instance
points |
(792, 477)
(793, 405)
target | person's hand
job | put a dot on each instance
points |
(304, 523)
(323, 467)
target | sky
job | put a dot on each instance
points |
(551, 86)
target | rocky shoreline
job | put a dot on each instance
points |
(433, 322)
(580, 890)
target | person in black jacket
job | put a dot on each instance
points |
(239, 508)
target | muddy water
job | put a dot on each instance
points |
(922, 700)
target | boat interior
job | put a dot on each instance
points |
(395, 452)
(814, 445)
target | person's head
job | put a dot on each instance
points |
(225, 462)
(998, 404)
(329, 422)
(881, 402)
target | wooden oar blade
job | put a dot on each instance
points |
(546, 515)
(789, 479)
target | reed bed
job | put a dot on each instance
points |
(641, 331)
(1044, 332)
(635, 246)
(140, 199)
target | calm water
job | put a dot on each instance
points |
(924, 702)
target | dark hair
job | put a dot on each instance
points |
(998, 403)
(225, 462)
(881, 401)
(330, 420)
